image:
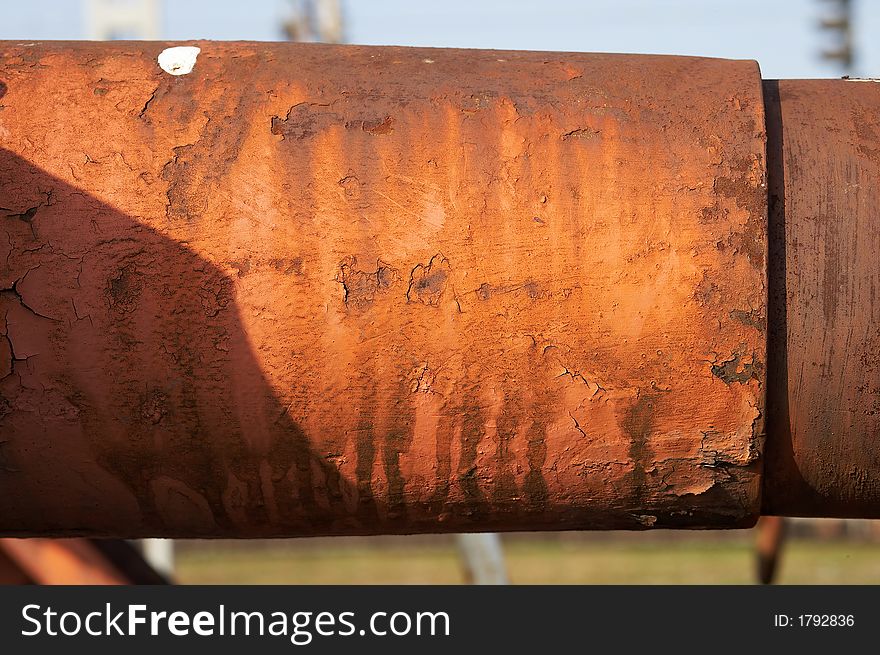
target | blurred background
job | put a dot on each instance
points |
(789, 38)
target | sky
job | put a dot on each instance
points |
(783, 35)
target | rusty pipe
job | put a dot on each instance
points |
(276, 289)
(823, 393)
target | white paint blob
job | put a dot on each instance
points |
(179, 60)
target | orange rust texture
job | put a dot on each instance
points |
(823, 393)
(336, 290)
(57, 562)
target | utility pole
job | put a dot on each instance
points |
(838, 21)
(314, 20)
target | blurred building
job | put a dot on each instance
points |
(122, 19)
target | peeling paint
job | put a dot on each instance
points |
(179, 60)
(348, 296)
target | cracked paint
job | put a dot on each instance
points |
(315, 290)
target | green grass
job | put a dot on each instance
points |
(685, 560)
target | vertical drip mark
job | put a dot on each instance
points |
(472, 432)
(637, 423)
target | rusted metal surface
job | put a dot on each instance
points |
(73, 561)
(335, 290)
(823, 420)
(57, 561)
